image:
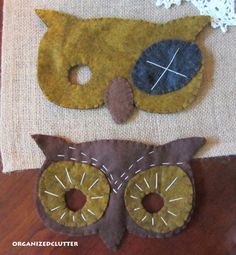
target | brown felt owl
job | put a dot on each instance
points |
(108, 187)
(154, 67)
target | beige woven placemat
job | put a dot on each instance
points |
(25, 111)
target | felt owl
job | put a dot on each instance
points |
(153, 67)
(109, 187)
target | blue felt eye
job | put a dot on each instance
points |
(166, 66)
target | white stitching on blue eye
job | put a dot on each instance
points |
(166, 69)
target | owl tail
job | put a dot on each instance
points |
(119, 100)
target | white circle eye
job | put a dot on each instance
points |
(80, 74)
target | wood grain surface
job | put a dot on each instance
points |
(212, 230)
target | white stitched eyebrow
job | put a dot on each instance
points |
(131, 166)
(180, 163)
(166, 163)
(140, 159)
(127, 177)
(105, 167)
(72, 148)
(103, 170)
(119, 186)
(138, 171)
(61, 156)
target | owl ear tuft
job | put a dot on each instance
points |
(53, 18)
(50, 145)
(187, 28)
(182, 150)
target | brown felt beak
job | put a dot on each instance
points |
(119, 99)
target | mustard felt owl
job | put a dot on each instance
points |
(154, 67)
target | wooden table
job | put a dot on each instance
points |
(212, 230)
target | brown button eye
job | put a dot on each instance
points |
(152, 202)
(75, 199)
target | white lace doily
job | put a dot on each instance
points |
(222, 11)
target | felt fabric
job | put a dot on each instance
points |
(98, 42)
(120, 161)
(182, 60)
(171, 102)
(25, 111)
(119, 100)
(64, 176)
(174, 186)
